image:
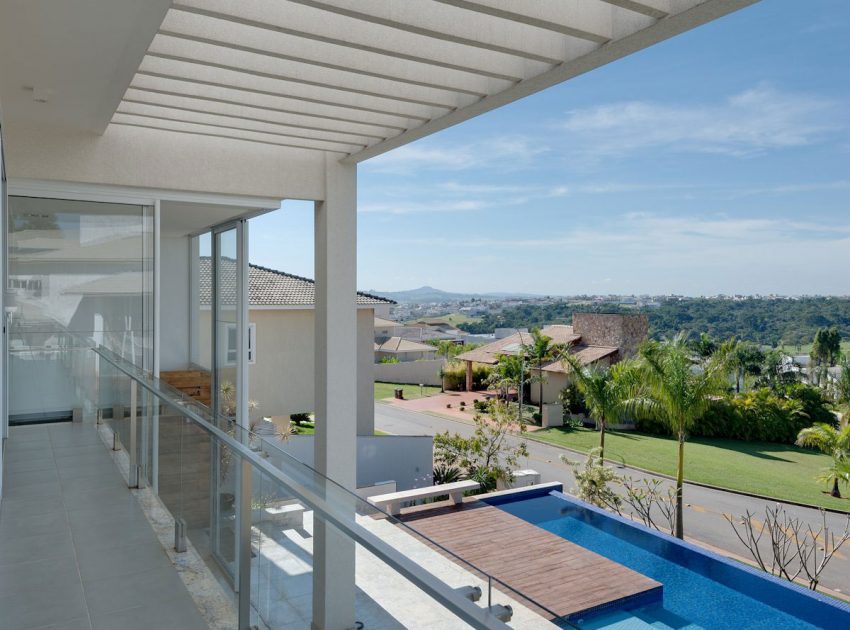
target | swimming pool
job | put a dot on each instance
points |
(701, 589)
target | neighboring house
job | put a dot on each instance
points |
(403, 350)
(281, 352)
(386, 328)
(595, 338)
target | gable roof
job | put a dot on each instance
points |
(561, 335)
(399, 345)
(268, 287)
(585, 354)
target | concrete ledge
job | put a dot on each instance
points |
(516, 494)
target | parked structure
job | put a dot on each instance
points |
(169, 123)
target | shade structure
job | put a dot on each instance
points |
(360, 77)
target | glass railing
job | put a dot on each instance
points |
(253, 513)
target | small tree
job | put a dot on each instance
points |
(678, 394)
(592, 479)
(835, 443)
(540, 350)
(490, 454)
(605, 390)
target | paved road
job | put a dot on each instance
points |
(705, 507)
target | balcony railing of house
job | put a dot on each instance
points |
(247, 509)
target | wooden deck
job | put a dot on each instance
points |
(562, 576)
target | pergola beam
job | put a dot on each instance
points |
(372, 110)
(489, 8)
(279, 110)
(266, 121)
(396, 54)
(218, 135)
(293, 79)
(657, 9)
(238, 128)
(673, 25)
(320, 64)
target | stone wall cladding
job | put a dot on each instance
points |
(625, 332)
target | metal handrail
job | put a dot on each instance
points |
(438, 590)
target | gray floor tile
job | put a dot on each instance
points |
(16, 526)
(27, 478)
(86, 469)
(26, 434)
(82, 623)
(174, 613)
(14, 509)
(109, 535)
(96, 497)
(41, 490)
(33, 548)
(83, 451)
(96, 564)
(29, 464)
(122, 512)
(38, 611)
(110, 595)
(74, 484)
(29, 455)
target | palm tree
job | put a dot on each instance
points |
(678, 393)
(835, 443)
(605, 390)
(540, 350)
(507, 373)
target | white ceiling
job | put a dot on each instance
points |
(352, 77)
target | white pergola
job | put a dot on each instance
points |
(254, 101)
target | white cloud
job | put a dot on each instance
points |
(752, 122)
(501, 152)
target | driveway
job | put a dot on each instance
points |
(705, 507)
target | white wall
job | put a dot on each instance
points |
(414, 372)
(174, 300)
(282, 379)
(405, 459)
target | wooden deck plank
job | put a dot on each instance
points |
(554, 572)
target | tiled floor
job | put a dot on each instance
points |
(76, 551)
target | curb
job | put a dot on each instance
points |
(696, 483)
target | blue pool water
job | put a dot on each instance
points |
(700, 590)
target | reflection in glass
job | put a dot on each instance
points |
(77, 269)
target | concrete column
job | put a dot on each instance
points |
(336, 386)
(469, 376)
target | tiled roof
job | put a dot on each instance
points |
(560, 334)
(397, 344)
(585, 354)
(268, 287)
(380, 322)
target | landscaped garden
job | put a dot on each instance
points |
(770, 469)
(411, 392)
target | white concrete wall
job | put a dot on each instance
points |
(281, 380)
(414, 373)
(174, 300)
(128, 156)
(405, 459)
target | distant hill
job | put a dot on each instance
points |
(430, 294)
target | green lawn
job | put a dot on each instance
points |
(774, 470)
(385, 390)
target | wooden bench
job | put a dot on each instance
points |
(392, 501)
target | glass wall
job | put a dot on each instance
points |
(77, 270)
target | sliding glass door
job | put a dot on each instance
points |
(229, 380)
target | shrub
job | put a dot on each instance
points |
(389, 360)
(454, 376)
(572, 400)
(448, 405)
(760, 415)
(463, 403)
(298, 418)
(537, 417)
(481, 406)
(446, 474)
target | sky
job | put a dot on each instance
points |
(715, 162)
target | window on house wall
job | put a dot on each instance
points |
(232, 344)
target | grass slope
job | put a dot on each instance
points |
(411, 392)
(774, 470)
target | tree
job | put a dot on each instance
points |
(540, 350)
(507, 373)
(835, 443)
(604, 389)
(747, 360)
(826, 347)
(678, 394)
(487, 456)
